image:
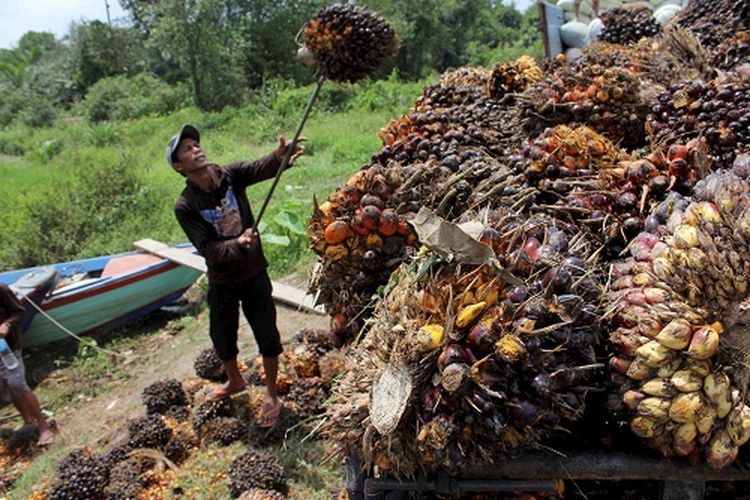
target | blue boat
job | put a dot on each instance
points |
(99, 292)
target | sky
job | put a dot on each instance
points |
(19, 16)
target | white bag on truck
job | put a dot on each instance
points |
(575, 34)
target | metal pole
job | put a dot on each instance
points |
(109, 21)
(290, 149)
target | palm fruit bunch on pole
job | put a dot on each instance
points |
(349, 42)
(513, 77)
(717, 25)
(718, 110)
(498, 362)
(608, 99)
(628, 25)
(679, 350)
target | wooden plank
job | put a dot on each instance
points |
(283, 293)
(295, 297)
(181, 257)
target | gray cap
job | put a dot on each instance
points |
(185, 131)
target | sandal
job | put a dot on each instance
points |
(269, 414)
(223, 392)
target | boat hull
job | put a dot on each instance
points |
(104, 301)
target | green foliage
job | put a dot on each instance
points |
(121, 97)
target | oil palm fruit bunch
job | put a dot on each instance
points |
(307, 396)
(718, 110)
(349, 42)
(628, 25)
(148, 432)
(209, 366)
(609, 100)
(733, 51)
(254, 469)
(581, 176)
(127, 479)
(222, 430)
(513, 77)
(211, 410)
(474, 77)
(179, 446)
(80, 475)
(160, 396)
(676, 306)
(359, 235)
(489, 371)
(115, 455)
(261, 494)
(713, 22)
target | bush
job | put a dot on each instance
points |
(11, 105)
(38, 112)
(122, 98)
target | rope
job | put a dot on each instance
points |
(68, 332)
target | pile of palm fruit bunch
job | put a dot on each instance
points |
(615, 149)
(513, 77)
(626, 25)
(718, 110)
(721, 26)
(451, 141)
(497, 363)
(677, 316)
(349, 42)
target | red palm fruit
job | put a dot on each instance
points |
(351, 193)
(677, 151)
(338, 323)
(371, 217)
(374, 242)
(490, 237)
(403, 228)
(388, 222)
(531, 249)
(336, 232)
(452, 353)
(371, 199)
(358, 226)
(480, 340)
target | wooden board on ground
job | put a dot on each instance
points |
(283, 293)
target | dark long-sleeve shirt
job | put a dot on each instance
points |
(11, 314)
(213, 220)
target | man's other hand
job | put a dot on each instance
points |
(284, 145)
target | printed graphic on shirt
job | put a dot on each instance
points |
(226, 217)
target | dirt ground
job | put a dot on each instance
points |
(166, 348)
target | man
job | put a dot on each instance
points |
(13, 386)
(215, 214)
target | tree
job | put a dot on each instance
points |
(101, 50)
